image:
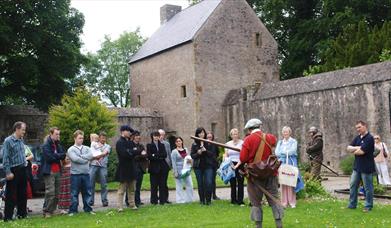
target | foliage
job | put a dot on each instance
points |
(378, 188)
(112, 166)
(106, 73)
(308, 213)
(304, 29)
(358, 44)
(304, 167)
(312, 188)
(84, 112)
(346, 164)
(39, 50)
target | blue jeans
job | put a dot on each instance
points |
(205, 184)
(367, 179)
(80, 183)
(102, 174)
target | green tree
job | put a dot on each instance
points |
(39, 50)
(304, 29)
(106, 73)
(356, 45)
(82, 111)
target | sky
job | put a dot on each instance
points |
(113, 17)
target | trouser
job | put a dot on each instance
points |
(127, 186)
(15, 194)
(158, 183)
(382, 173)
(237, 187)
(214, 183)
(52, 190)
(315, 168)
(204, 181)
(102, 173)
(288, 195)
(139, 182)
(165, 187)
(255, 194)
(80, 183)
(367, 179)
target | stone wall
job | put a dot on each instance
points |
(332, 101)
(34, 119)
(228, 56)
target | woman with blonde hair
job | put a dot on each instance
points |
(237, 183)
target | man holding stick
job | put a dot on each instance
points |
(256, 187)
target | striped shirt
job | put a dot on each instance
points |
(13, 153)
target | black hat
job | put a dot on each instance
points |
(126, 128)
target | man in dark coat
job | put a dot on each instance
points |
(315, 151)
(126, 168)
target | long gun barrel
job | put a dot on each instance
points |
(216, 143)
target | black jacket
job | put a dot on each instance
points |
(142, 162)
(126, 170)
(157, 158)
(50, 157)
(204, 160)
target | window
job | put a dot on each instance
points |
(258, 39)
(183, 91)
(138, 100)
(213, 127)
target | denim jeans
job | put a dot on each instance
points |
(205, 186)
(80, 183)
(367, 179)
(102, 174)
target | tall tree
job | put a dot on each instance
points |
(39, 50)
(107, 72)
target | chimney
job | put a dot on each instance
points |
(168, 11)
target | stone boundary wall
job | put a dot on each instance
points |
(331, 101)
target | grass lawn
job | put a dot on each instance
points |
(309, 213)
(171, 182)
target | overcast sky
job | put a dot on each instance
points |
(112, 17)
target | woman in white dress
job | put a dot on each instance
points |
(381, 161)
(181, 165)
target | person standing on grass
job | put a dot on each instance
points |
(215, 150)
(141, 158)
(236, 183)
(183, 183)
(315, 152)
(64, 196)
(53, 154)
(362, 147)
(167, 146)
(381, 161)
(14, 164)
(203, 166)
(80, 157)
(157, 169)
(248, 154)
(286, 152)
(126, 168)
(99, 167)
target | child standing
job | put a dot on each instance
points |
(64, 197)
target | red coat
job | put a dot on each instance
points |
(251, 144)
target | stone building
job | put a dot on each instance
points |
(187, 67)
(332, 101)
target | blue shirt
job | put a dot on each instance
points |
(13, 153)
(364, 163)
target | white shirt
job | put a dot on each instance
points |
(232, 154)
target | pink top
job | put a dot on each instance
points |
(380, 157)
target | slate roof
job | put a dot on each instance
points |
(180, 29)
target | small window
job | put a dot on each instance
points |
(183, 91)
(138, 100)
(213, 127)
(258, 39)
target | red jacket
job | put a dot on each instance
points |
(251, 144)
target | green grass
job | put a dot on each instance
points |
(171, 182)
(309, 213)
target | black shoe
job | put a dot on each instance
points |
(168, 202)
(105, 204)
(216, 198)
(241, 203)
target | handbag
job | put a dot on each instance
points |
(263, 169)
(384, 151)
(287, 174)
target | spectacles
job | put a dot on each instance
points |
(376, 138)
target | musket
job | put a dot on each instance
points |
(323, 165)
(244, 173)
